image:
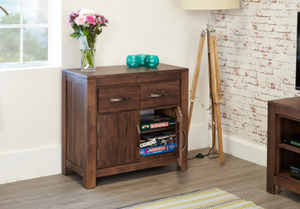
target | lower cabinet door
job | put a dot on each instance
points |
(179, 139)
(118, 139)
(180, 136)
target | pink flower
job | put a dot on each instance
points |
(103, 19)
(74, 15)
(70, 23)
(70, 18)
(90, 19)
(80, 20)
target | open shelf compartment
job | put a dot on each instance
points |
(288, 159)
(288, 127)
(158, 131)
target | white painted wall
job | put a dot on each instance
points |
(30, 100)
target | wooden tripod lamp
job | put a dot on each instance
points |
(214, 74)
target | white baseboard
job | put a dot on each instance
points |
(198, 137)
(47, 161)
(243, 149)
(30, 164)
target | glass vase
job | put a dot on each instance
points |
(142, 58)
(133, 61)
(88, 53)
(152, 61)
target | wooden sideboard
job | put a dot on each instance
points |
(283, 120)
(101, 115)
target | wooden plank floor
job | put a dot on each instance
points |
(244, 179)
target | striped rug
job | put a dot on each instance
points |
(204, 199)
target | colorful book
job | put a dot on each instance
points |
(149, 122)
(157, 150)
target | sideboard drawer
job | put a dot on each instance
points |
(119, 98)
(160, 94)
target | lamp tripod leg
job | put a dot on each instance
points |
(213, 128)
(215, 87)
(196, 77)
(213, 114)
(219, 130)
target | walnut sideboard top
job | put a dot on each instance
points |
(123, 69)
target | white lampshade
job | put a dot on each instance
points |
(209, 4)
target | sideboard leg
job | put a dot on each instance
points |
(66, 171)
(272, 188)
(277, 189)
(88, 182)
(90, 134)
(181, 168)
(272, 151)
(184, 165)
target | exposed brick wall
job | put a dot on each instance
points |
(257, 56)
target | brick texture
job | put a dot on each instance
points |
(257, 57)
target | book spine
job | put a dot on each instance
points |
(150, 126)
(157, 150)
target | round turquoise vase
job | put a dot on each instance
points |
(142, 58)
(133, 61)
(151, 61)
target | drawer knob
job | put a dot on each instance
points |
(119, 100)
(159, 95)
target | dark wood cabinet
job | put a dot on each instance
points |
(283, 120)
(101, 118)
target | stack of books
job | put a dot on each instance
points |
(157, 142)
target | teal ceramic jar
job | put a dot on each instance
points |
(133, 61)
(142, 58)
(151, 61)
